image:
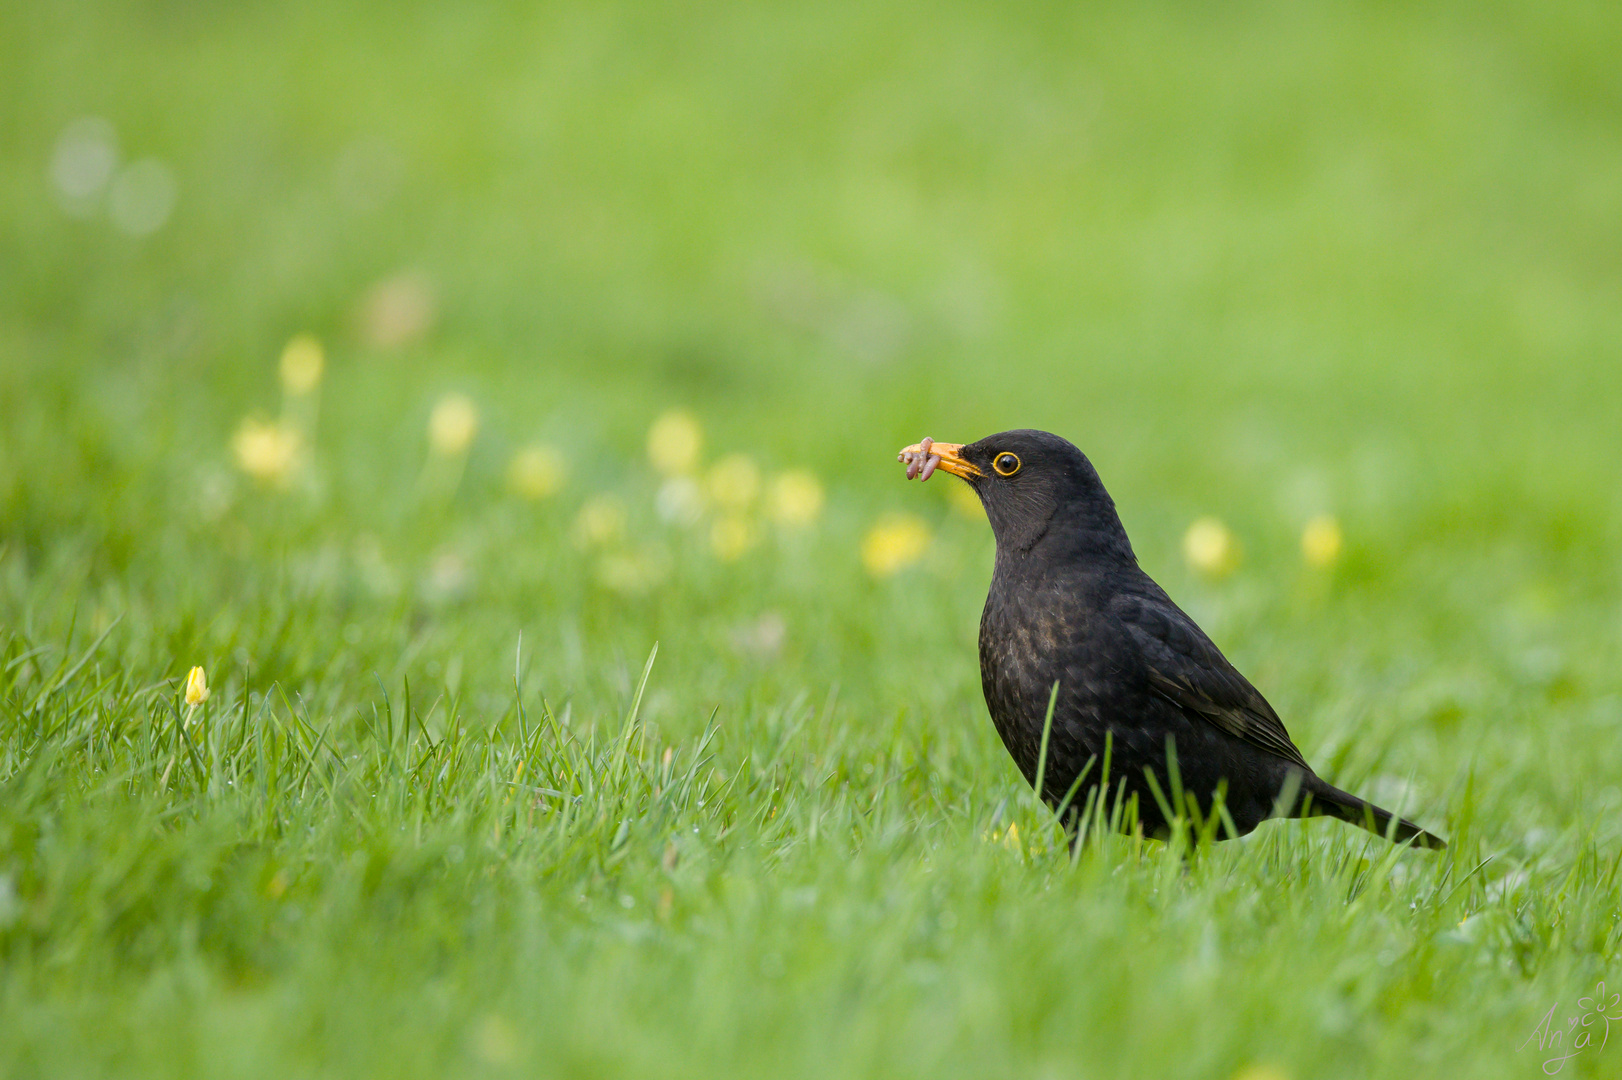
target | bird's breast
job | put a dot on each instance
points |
(1034, 627)
(1036, 632)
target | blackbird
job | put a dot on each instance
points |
(1139, 684)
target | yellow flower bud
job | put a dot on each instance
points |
(733, 482)
(674, 443)
(795, 498)
(1210, 548)
(302, 364)
(896, 542)
(600, 523)
(266, 451)
(1321, 541)
(452, 425)
(196, 687)
(731, 536)
(536, 472)
(1010, 839)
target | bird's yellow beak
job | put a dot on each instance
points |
(949, 456)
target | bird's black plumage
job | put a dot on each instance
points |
(1069, 605)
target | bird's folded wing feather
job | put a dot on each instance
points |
(1189, 670)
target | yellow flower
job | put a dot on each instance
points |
(302, 364)
(601, 521)
(896, 542)
(1010, 839)
(795, 498)
(452, 425)
(1210, 548)
(674, 443)
(731, 536)
(733, 482)
(536, 472)
(266, 451)
(196, 687)
(1321, 541)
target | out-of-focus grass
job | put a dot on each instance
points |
(1263, 262)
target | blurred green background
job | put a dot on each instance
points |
(1266, 262)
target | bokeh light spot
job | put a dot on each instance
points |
(601, 521)
(266, 451)
(142, 197)
(398, 310)
(452, 425)
(675, 442)
(537, 472)
(733, 482)
(680, 501)
(1321, 541)
(894, 543)
(83, 162)
(732, 536)
(302, 363)
(795, 499)
(1211, 548)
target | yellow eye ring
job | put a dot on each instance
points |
(1006, 464)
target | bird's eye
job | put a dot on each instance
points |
(1006, 464)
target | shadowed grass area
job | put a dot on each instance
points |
(439, 815)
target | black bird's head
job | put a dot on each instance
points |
(1035, 487)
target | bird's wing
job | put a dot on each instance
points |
(1190, 671)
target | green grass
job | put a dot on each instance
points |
(439, 818)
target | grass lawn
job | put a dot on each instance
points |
(549, 737)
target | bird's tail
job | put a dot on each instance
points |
(1331, 801)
